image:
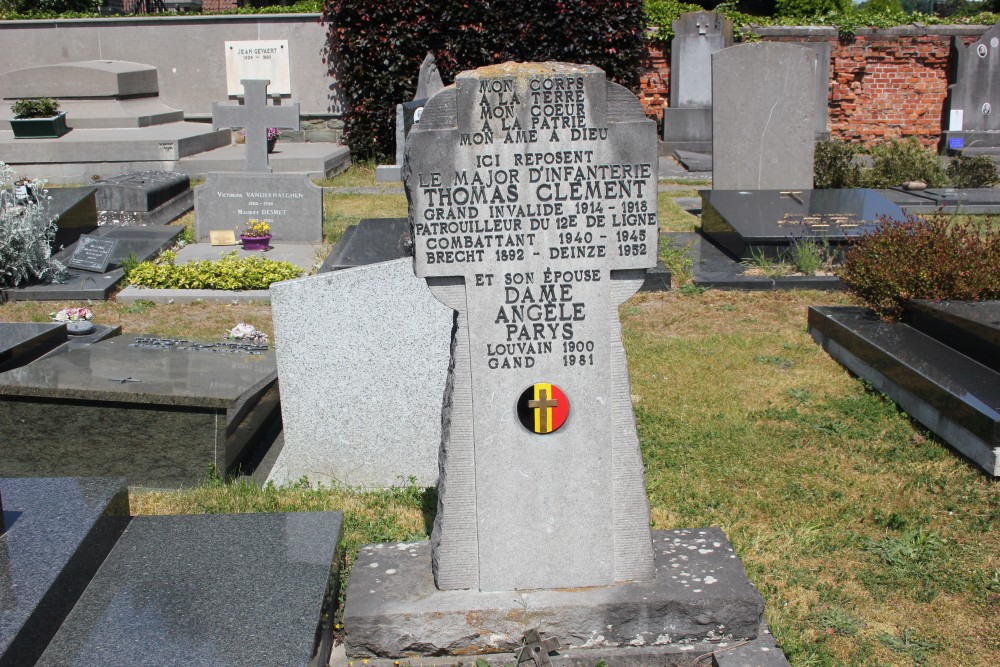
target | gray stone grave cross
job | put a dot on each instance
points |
(532, 190)
(255, 115)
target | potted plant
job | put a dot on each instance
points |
(38, 119)
(77, 320)
(256, 235)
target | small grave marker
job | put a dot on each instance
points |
(93, 253)
(222, 237)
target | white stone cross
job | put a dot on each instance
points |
(255, 115)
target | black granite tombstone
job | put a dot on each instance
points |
(143, 242)
(58, 532)
(160, 415)
(207, 590)
(75, 212)
(933, 364)
(143, 198)
(371, 241)
(752, 222)
(23, 342)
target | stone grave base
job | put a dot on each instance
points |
(940, 369)
(700, 600)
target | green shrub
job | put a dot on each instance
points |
(228, 273)
(973, 171)
(896, 162)
(377, 47)
(27, 231)
(922, 259)
(835, 165)
(43, 107)
(809, 8)
(661, 14)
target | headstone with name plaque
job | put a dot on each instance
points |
(532, 192)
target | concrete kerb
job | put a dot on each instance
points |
(132, 294)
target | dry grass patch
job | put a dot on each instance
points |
(862, 531)
(672, 217)
(341, 211)
(208, 321)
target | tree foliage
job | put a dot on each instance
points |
(376, 48)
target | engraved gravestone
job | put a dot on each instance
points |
(687, 122)
(289, 203)
(974, 97)
(532, 192)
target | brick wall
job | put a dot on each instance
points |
(883, 83)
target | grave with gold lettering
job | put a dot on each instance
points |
(532, 191)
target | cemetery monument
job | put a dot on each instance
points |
(289, 202)
(687, 122)
(407, 114)
(763, 116)
(973, 127)
(532, 190)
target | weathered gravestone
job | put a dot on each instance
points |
(532, 192)
(687, 122)
(408, 114)
(763, 117)
(974, 97)
(290, 203)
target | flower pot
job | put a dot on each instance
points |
(39, 128)
(256, 242)
(270, 144)
(79, 327)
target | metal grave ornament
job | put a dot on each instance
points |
(532, 193)
(542, 408)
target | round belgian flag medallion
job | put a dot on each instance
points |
(542, 408)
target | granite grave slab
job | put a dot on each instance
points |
(713, 268)
(144, 198)
(75, 212)
(371, 241)
(56, 534)
(951, 394)
(23, 342)
(744, 222)
(144, 242)
(969, 327)
(208, 590)
(382, 335)
(763, 116)
(532, 192)
(156, 411)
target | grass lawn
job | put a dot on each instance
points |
(872, 542)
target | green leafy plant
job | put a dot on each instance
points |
(396, 36)
(759, 262)
(922, 259)
(43, 107)
(973, 171)
(810, 255)
(677, 258)
(835, 165)
(27, 232)
(896, 162)
(228, 273)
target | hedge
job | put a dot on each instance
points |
(378, 47)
